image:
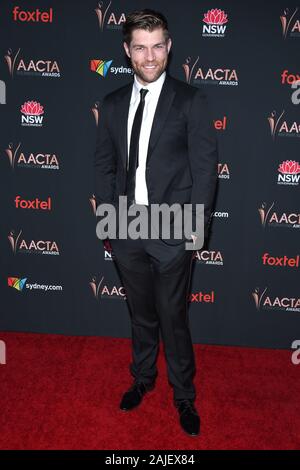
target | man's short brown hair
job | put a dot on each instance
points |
(144, 19)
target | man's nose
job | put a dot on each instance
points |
(150, 54)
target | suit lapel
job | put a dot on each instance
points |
(162, 109)
(121, 123)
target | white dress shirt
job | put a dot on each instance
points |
(151, 99)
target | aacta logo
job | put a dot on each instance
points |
(200, 297)
(34, 16)
(209, 257)
(223, 171)
(271, 218)
(35, 204)
(215, 23)
(31, 247)
(111, 20)
(93, 203)
(266, 302)
(280, 261)
(208, 76)
(289, 173)
(31, 67)
(32, 114)
(290, 23)
(103, 291)
(43, 161)
(280, 127)
(96, 111)
(288, 78)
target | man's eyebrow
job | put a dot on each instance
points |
(143, 45)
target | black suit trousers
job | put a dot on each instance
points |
(156, 278)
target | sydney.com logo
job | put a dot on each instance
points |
(19, 284)
(102, 67)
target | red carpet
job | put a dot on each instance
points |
(61, 392)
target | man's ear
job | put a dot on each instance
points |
(126, 49)
(169, 44)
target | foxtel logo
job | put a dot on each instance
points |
(220, 124)
(202, 298)
(35, 15)
(289, 78)
(35, 204)
(281, 261)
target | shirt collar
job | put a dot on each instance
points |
(153, 87)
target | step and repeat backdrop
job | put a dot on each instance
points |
(59, 58)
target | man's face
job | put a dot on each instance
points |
(148, 52)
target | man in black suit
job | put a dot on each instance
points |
(156, 144)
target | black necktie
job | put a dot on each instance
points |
(134, 146)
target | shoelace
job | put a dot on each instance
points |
(139, 386)
(186, 404)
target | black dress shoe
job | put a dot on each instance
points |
(133, 397)
(189, 418)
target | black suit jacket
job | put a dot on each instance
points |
(181, 164)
